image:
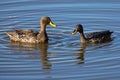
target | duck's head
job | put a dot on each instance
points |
(46, 20)
(78, 28)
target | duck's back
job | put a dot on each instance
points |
(23, 35)
(101, 36)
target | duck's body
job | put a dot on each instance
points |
(31, 36)
(99, 37)
(28, 36)
(95, 37)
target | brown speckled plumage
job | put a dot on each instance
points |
(95, 37)
(31, 36)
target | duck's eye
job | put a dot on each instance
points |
(77, 29)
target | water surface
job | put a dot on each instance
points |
(64, 57)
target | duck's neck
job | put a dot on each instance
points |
(42, 28)
(82, 37)
(42, 36)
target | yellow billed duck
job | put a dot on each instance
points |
(31, 36)
(95, 37)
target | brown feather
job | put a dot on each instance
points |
(31, 36)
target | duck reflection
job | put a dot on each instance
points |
(44, 56)
(23, 46)
(81, 54)
(43, 47)
(94, 47)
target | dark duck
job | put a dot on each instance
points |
(94, 37)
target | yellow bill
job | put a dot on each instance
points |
(52, 24)
(74, 32)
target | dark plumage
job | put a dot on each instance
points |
(31, 36)
(95, 37)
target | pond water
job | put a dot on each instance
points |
(64, 57)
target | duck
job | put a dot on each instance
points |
(31, 36)
(94, 37)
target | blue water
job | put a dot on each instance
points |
(64, 58)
